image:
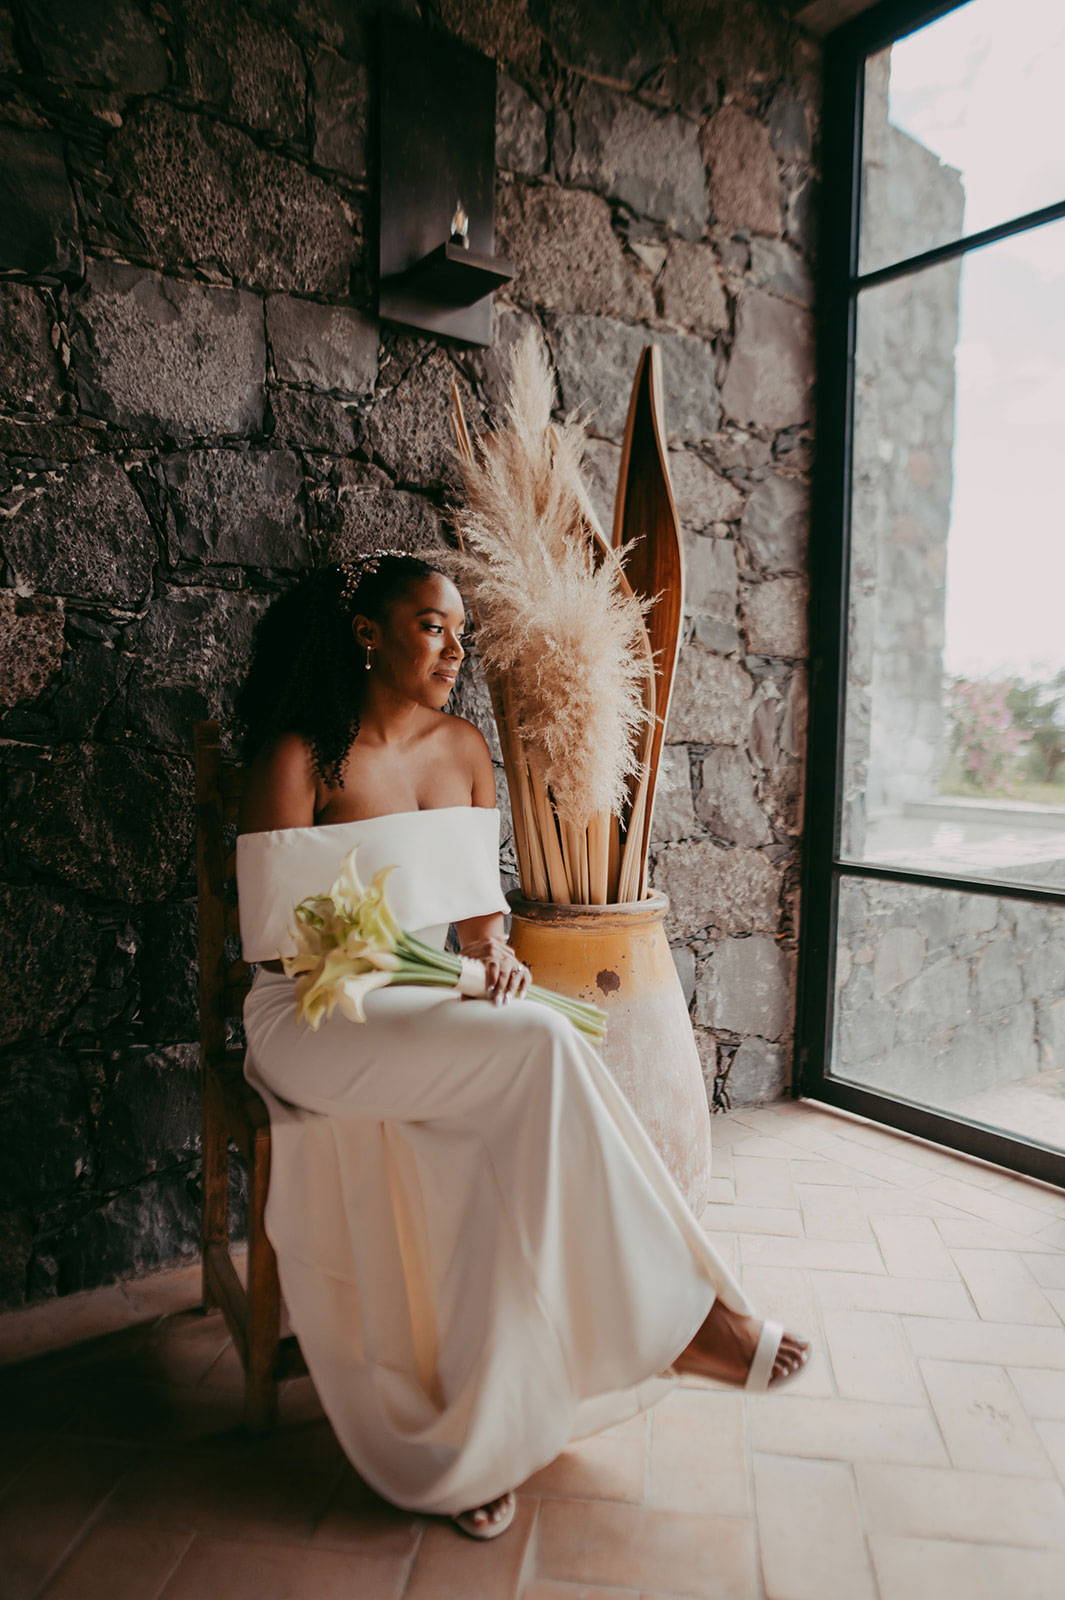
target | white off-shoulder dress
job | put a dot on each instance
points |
(482, 1253)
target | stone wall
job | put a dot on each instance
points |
(902, 473)
(942, 995)
(197, 400)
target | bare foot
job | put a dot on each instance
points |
(724, 1347)
(492, 1510)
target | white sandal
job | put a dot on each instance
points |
(760, 1372)
(487, 1529)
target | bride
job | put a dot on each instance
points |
(482, 1254)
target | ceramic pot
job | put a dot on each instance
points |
(618, 957)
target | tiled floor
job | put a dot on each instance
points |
(921, 1454)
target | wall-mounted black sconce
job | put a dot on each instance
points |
(436, 228)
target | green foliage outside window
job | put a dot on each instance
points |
(1007, 737)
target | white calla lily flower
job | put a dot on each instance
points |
(349, 943)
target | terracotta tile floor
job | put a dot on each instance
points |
(921, 1454)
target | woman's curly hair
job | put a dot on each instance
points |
(306, 666)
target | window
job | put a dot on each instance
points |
(933, 963)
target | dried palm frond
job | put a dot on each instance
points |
(553, 620)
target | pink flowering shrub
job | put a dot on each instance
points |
(985, 738)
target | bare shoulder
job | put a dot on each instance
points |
(470, 750)
(280, 786)
(465, 739)
(465, 734)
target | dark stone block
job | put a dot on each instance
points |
(107, 43)
(650, 160)
(47, 1144)
(167, 972)
(489, 367)
(745, 189)
(150, 1112)
(737, 44)
(312, 421)
(771, 367)
(776, 266)
(521, 129)
(29, 373)
(191, 647)
(107, 819)
(111, 1003)
(369, 515)
(84, 625)
(47, 961)
(341, 91)
(8, 57)
(690, 291)
(620, 44)
(246, 67)
(204, 193)
(60, 441)
(569, 257)
(789, 127)
(31, 645)
(500, 28)
(775, 525)
(16, 1252)
(40, 232)
(83, 532)
(86, 700)
(238, 507)
(597, 360)
(327, 347)
(340, 23)
(151, 1225)
(409, 428)
(159, 353)
(759, 1073)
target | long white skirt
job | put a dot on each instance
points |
(482, 1253)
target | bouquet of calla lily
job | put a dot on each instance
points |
(350, 943)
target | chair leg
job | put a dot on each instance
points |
(264, 1302)
(215, 1145)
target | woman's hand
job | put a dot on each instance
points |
(506, 978)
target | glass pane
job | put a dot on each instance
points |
(954, 734)
(955, 1001)
(962, 127)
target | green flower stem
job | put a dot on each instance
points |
(589, 1019)
(419, 963)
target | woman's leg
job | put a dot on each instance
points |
(555, 1255)
(724, 1346)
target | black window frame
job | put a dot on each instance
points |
(838, 286)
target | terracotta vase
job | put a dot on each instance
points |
(618, 957)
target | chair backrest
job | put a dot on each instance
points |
(224, 980)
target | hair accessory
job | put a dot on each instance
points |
(355, 568)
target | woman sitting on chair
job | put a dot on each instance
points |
(482, 1254)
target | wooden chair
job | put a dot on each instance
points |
(231, 1107)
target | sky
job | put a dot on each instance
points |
(983, 88)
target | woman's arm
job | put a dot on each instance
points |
(484, 937)
(280, 791)
(280, 788)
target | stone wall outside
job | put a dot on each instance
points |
(196, 401)
(902, 475)
(943, 995)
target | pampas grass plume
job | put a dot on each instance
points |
(552, 619)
